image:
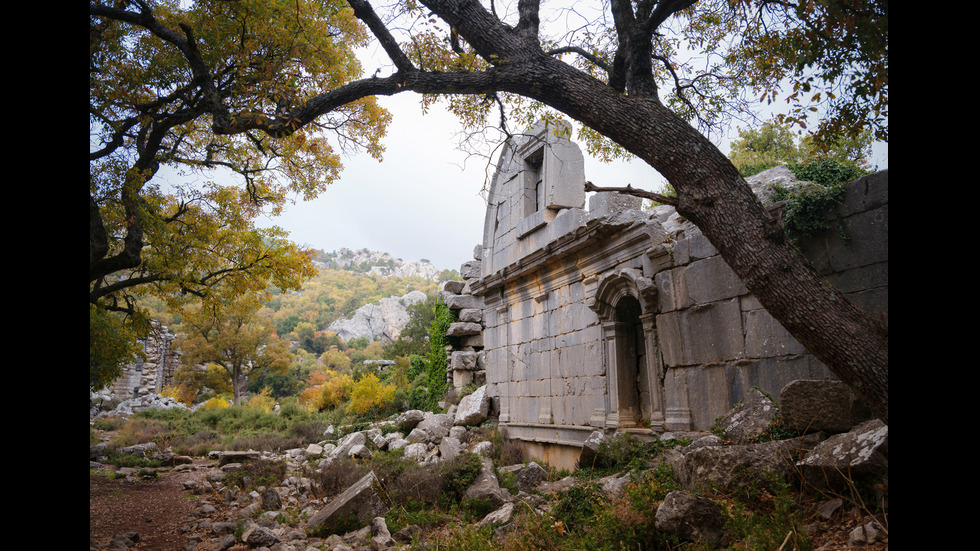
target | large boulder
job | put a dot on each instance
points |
(355, 508)
(530, 476)
(842, 459)
(417, 451)
(473, 408)
(691, 517)
(590, 449)
(815, 405)
(436, 425)
(408, 420)
(749, 419)
(740, 465)
(376, 321)
(347, 443)
(487, 486)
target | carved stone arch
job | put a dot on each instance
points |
(626, 281)
(626, 304)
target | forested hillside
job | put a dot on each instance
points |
(294, 351)
(346, 281)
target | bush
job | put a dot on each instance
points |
(256, 473)
(217, 403)
(809, 206)
(327, 389)
(369, 395)
(181, 392)
(337, 476)
(261, 402)
(458, 475)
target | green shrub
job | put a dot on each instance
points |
(626, 452)
(428, 374)
(458, 475)
(809, 207)
(256, 473)
(760, 517)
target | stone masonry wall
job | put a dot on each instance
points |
(157, 371)
(626, 319)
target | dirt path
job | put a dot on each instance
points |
(155, 509)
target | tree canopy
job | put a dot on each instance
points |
(160, 219)
(649, 78)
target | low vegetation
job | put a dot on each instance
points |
(432, 497)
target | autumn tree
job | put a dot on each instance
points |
(163, 218)
(648, 78)
(229, 336)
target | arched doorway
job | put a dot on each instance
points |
(626, 303)
(630, 363)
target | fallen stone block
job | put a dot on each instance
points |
(810, 406)
(842, 459)
(473, 408)
(355, 508)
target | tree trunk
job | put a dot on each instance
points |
(714, 196)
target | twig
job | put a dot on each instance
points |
(630, 190)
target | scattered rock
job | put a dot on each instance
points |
(500, 516)
(473, 408)
(529, 477)
(750, 419)
(354, 508)
(691, 517)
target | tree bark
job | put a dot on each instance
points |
(710, 192)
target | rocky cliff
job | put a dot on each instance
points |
(378, 263)
(383, 321)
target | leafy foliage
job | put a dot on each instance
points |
(428, 373)
(834, 54)
(228, 336)
(774, 144)
(809, 206)
(162, 219)
(369, 395)
(326, 389)
(112, 345)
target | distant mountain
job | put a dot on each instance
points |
(377, 263)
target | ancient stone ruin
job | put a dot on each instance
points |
(149, 376)
(623, 319)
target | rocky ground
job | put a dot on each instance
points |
(188, 507)
(161, 514)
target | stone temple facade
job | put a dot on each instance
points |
(623, 319)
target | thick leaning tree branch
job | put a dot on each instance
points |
(711, 192)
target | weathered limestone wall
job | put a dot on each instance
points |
(625, 319)
(156, 372)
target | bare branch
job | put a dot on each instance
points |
(630, 190)
(596, 60)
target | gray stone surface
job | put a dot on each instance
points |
(356, 507)
(847, 458)
(749, 419)
(473, 408)
(691, 517)
(375, 321)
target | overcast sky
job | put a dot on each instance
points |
(423, 200)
